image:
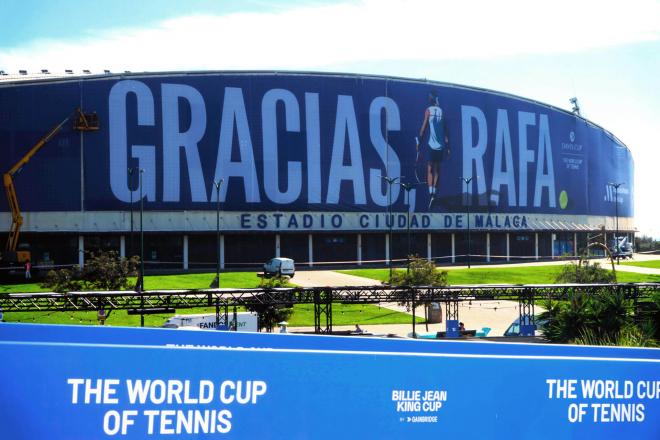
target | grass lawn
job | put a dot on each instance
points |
(653, 264)
(513, 275)
(504, 275)
(21, 288)
(116, 318)
(350, 314)
(631, 277)
(156, 282)
(201, 280)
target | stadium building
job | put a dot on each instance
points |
(322, 168)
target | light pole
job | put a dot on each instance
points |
(216, 282)
(130, 241)
(140, 282)
(390, 181)
(407, 187)
(616, 210)
(467, 204)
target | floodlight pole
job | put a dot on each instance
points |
(616, 211)
(389, 181)
(407, 187)
(130, 241)
(140, 283)
(216, 282)
(468, 202)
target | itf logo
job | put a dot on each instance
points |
(571, 147)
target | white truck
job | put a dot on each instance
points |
(247, 322)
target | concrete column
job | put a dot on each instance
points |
(277, 245)
(508, 253)
(552, 245)
(310, 249)
(575, 249)
(429, 249)
(82, 172)
(122, 246)
(387, 248)
(488, 246)
(185, 252)
(536, 245)
(222, 252)
(81, 251)
(453, 247)
(359, 249)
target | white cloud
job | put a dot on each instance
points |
(326, 36)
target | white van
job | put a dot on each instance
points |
(279, 267)
(247, 322)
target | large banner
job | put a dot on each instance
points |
(321, 143)
(63, 390)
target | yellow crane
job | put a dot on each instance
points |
(82, 122)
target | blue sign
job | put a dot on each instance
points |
(453, 330)
(70, 390)
(164, 337)
(312, 142)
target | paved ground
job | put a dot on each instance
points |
(329, 278)
(497, 315)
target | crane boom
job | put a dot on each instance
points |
(83, 122)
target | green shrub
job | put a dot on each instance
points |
(629, 336)
(102, 271)
(270, 315)
(421, 272)
(585, 273)
(603, 316)
(274, 282)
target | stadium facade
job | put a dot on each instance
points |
(305, 160)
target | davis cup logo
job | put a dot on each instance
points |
(571, 136)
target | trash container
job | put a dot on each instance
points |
(434, 313)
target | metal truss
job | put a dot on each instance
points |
(526, 308)
(322, 298)
(451, 310)
(323, 309)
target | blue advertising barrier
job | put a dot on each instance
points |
(64, 391)
(210, 338)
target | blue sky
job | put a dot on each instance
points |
(607, 53)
